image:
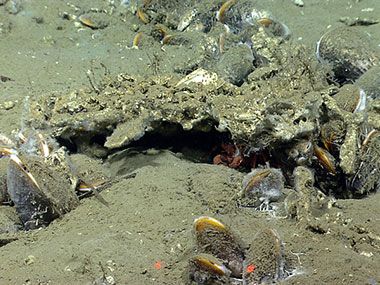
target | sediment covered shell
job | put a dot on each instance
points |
(213, 238)
(367, 177)
(351, 98)
(370, 82)
(349, 51)
(264, 260)
(40, 193)
(4, 197)
(206, 269)
(262, 186)
(236, 64)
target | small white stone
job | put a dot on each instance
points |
(9, 105)
(299, 3)
(30, 260)
(110, 280)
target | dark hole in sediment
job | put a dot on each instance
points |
(200, 144)
(68, 143)
(83, 142)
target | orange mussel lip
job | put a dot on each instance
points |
(205, 222)
(210, 265)
(83, 187)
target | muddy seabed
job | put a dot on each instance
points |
(150, 214)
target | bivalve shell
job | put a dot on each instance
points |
(94, 20)
(350, 52)
(262, 186)
(40, 193)
(367, 177)
(351, 98)
(370, 82)
(199, 76)
(206, 269)
(212, 237)
(264, 261)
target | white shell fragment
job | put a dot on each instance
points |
(362, 101)
(186, 20)
(199, 76)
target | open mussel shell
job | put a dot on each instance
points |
(213, 238)
(206, 269)
(350, 52)
(40, 193)
(264, 261)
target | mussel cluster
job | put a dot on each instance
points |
(223, 259)
(343, 148)
(39, 179)
(347, 144)
(220, 37)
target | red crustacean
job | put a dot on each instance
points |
(232, 155)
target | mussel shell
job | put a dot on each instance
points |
(241, 14)
(350, 52)
(95, 20)
(236, 64)
(4, 196)
(370, 82)
(222, 244)
(328, 174)
(205, 222)
(367, 177)
(350, 98)
(206, 269)
(265, 258)
(33, 207)
(38, 206)
(262, 186)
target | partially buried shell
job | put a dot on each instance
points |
(370, 82)
(4, 197)
(264, 260)
(213, 238)
(351, 98)
(94, 20)
(206, 269)
(367, 177)
(350, 52)
(40, 193)
(262, 186)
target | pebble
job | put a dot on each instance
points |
(299, 3)
(30, 260)
(8, 105)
